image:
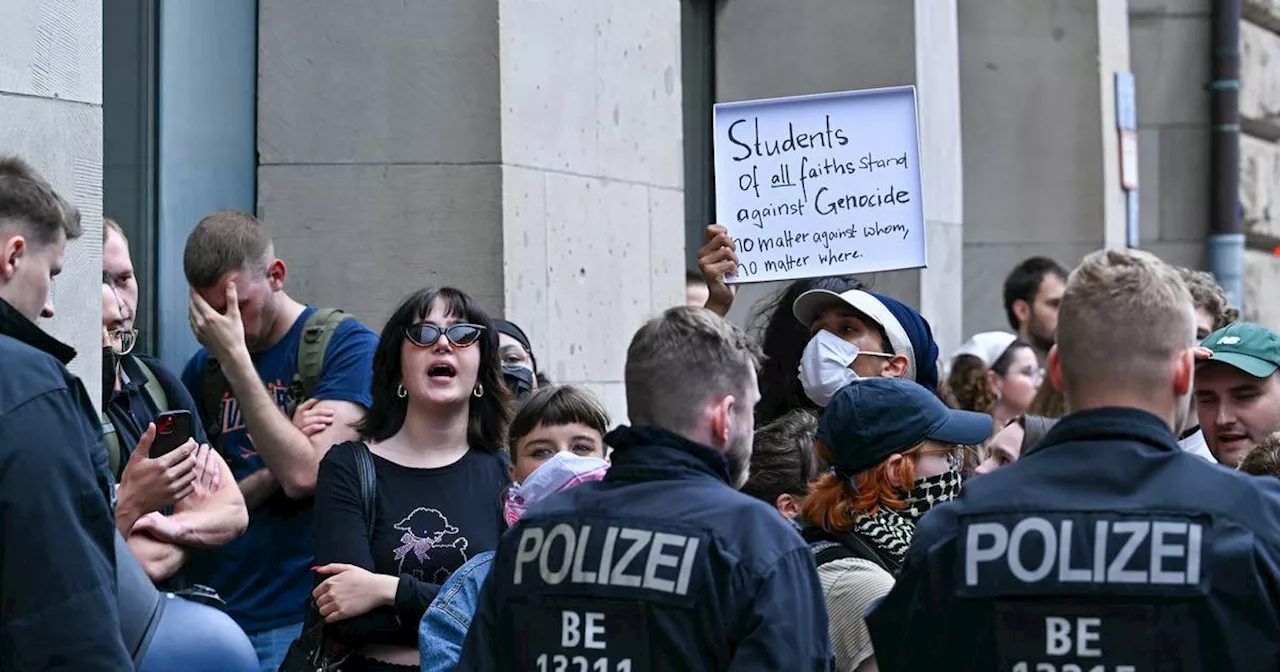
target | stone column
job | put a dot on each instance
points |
(51, 115)
(766, 49)
(1041, 152)
(526, 151)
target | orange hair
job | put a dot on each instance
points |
(833, 504)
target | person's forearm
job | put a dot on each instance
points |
(160, 560)
(285, 450)
(257, 488)
(214, 524)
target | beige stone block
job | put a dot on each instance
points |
(52, 49)
(639, 118)
(666, 249)
(378, 82)
(1183, 184)
(1169, 55)
(1149, 183)
(941, 284)
(549, 85)
(598, 273)
(1259, 182)
(1259, 73)
(524, 254)
(403, 228)
(1261, 278)
(63, 141)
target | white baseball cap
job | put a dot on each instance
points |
(987, 346)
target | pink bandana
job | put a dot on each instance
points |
(561, 472)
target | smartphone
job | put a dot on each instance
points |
(173, 428)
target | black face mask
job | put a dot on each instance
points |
(519, 380)
(110, 362)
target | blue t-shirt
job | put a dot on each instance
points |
(265, 575)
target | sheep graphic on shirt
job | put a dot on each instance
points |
(425, 532)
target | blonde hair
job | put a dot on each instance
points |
(1124, 316)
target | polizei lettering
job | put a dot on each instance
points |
(606, 556)
(1068, 552)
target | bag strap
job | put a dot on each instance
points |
(111, 441)
(829, 551)
(153, 386)
(317, 332)
(213, 387)
(368, 485)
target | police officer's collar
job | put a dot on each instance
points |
(651, 453)
(15, 325)
(1113, 423)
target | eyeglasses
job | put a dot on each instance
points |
(122, 340)
(425, 335)
(954, 454)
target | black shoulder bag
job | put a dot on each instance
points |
(315, 650)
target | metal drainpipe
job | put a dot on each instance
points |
(1226, 237)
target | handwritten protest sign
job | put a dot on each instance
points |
(820, 185)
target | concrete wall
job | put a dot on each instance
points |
(1040, 150)
(1171, 60)
(51, 114)
(1260, 154)
(863, 45)
(528, 152)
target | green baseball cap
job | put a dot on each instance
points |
(1252, 348)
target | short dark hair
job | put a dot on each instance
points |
(488, 415)
(783, 461)
(1023, 283)
(692, 277)
(555, 406)
(223, 242)
(29, 201)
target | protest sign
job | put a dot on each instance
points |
(820, 185)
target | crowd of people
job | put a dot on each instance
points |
(1094, 489)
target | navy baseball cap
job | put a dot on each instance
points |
(872, 418)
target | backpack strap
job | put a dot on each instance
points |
(317, 332)
(111, 435)
(368, 476)
(153, 386)
(111, 441)
(828, 551)
(213, 387)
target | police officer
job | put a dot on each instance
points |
(1107, 549)
(662, 565)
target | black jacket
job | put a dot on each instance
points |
(660, 566)
(57, 531)
(1109, 548)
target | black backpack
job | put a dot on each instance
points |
(828, 547)
(316, 334)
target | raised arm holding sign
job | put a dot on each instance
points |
(820, 185)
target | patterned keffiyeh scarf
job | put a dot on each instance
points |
(891, 531)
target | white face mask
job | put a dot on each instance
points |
(824, 366)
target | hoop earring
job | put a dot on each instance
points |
(401, 392)
(479, 391)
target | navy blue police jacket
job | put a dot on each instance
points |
(1106, 550)
(660, 566)
(57, 531)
